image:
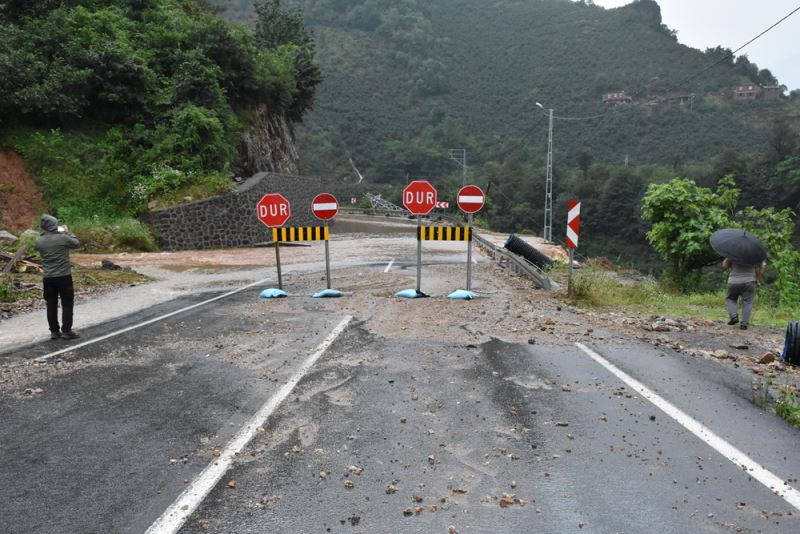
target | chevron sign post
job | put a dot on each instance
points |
(573, 225)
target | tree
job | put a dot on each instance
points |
(682, 217)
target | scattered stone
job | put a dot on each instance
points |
(720, 354)
(408, 512)
(531, 341)
(7, 238)
(603, 418)
(417, 498)
(108, 265)
(432, 460)
(403, 420)
(349, 484)
(565, 387)
(232, 484)
(506, 500)
(296, 449)
(513, 484)
(561, 423)
(767, 358)
(323, 475)
(355, 470)
(570, 436)
(459, 491)
(740, 346)
(550, 321)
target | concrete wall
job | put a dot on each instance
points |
(230, 220)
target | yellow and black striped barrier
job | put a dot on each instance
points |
(444, 233)
(302, 233)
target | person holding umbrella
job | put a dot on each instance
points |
(747, 260)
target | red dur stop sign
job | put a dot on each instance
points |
(273, 210)
(419, 197)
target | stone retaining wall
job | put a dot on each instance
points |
(230, 220)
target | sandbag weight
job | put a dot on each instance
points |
(791, 348)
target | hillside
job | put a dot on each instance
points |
(404, 81)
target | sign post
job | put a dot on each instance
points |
(325, 208)
(419, 198)
(274, 210)
(573, 227)
(470, 200)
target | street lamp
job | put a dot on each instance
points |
(548, 190)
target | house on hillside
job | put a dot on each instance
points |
(771, 92)
(757, 92)
(616, 99)
(746, 92)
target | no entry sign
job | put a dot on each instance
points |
(325, 206)
(573, 223)
(419, 197)
(273, 210)
(471, 199)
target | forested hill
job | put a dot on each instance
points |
(407, 79)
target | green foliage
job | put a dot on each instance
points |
(107, 234)
(682, 217)
(775, 229)
(128, 89)
(787, 406)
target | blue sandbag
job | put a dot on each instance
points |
(462, 294)
(272, 293)
(327, 294)
(410, 294)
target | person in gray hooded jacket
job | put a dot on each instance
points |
(53, 244)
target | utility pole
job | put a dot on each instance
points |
(548, 188)
(459, 155)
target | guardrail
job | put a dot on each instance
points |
(518, 264)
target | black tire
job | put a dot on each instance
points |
(521, 248)
(793, 355)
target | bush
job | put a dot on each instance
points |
(117, 235)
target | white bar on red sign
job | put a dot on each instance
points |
(325, 207)
(470, 199)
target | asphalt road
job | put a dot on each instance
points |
(407, 422)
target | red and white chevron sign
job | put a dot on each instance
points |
(573, 223)
(442, 205)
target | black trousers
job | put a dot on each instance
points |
(59, 286)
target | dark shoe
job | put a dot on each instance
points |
(743, 326)
(70, 334)
(734, 320)
(55, 335)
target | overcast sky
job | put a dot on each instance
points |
(731, 23)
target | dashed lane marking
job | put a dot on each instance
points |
(389, 267)
(767, 478)
(148, 322)
(187, 502)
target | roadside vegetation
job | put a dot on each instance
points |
(16, 287)
(118, 107)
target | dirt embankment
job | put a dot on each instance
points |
(19, 196)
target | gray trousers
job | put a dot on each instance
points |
(748, 292)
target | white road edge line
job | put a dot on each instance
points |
(149, 321)
(740, 459)
(388, 267)
(187, 502)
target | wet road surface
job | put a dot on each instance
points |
(411, 421)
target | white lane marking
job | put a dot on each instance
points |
(150, 321)
(187, 502)
(388, 267)
(740, 459)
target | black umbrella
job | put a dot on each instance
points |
(738, 246)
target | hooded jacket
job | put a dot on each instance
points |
(54, 247)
